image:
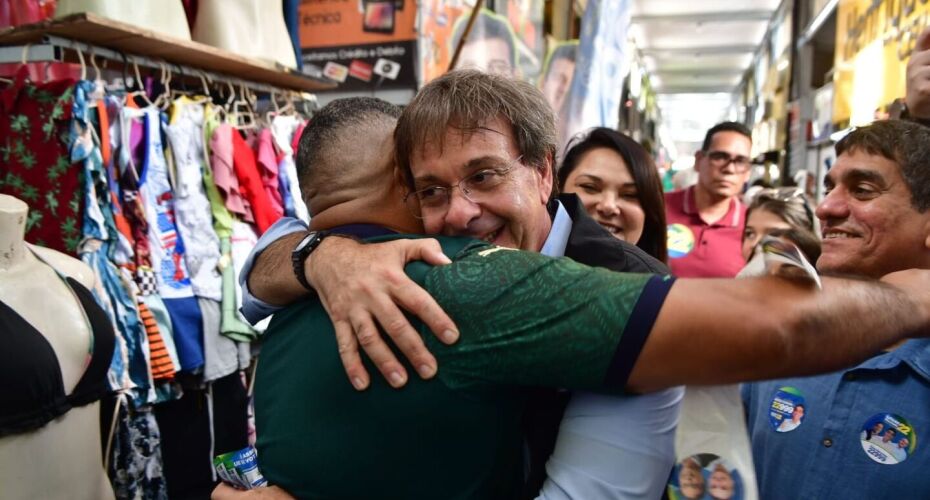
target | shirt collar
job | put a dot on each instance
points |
(915, 352)
(731, 218)
(558, 236)
(362, 230)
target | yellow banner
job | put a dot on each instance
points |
(874, 39)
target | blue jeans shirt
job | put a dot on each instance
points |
(834, 452)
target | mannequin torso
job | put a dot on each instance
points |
(61, 459)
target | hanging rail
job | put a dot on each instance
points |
(103, 36)
(53, 49)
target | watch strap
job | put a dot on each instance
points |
(304, 248)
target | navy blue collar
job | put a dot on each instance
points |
(362, 231)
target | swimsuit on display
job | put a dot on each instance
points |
(31, 387)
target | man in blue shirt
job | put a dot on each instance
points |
(858, 435)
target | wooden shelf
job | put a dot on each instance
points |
(128, 39)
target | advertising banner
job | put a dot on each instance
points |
(874, 40)
(361, 45)
(602, 63)
(509, 42)
(556, 78)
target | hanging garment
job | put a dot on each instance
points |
(98, 232)
(166, 248)
(222, 218)
(283, 129)
(34, 145)
(230, 325)
(267, 160)
(250, 181)
(224, 173)
(126, 134)
(241, 244)
(205, 423)
(202, 246)
(135, 465)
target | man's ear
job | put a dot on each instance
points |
(926, 230)
(546, 179)
(400, 179)
(698, 156)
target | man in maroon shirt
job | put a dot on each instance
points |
(706, 221)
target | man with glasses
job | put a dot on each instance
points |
(512, 145)
(705, 221)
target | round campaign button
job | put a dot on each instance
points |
(705, 475)
(680, 240)
(787, 410)
(888, 439)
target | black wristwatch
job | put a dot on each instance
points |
(303, 250)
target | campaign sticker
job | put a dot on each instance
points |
(705, 475)
(387, 68)
(335, 71)
(888, 439)
(787, 411)
(680, 240)
(360, 70)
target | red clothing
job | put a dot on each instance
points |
(697, 249)
(35, 163)
(250, 184)
(268, 169)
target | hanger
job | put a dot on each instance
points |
(164, 99)
(141, 89)
(243, 109)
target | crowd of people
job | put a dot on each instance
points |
(556, 313)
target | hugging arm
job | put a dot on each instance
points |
(361, 286)
(726, 331)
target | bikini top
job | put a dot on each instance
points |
(32, 392)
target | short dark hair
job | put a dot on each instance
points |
(739, 128)
(321, 152)
(645, 176)
(466, 100)
(903, 142)
(487, 25)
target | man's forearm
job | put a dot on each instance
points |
(272, 277)
(769, 328)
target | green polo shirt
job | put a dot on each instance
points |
(526, 320)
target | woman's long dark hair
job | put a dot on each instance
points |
(645, 176)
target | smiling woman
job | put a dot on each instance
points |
(617, 181)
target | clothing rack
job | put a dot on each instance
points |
(70, 38)
(57, 49)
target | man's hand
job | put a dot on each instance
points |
(918, 78)
(360, 284)
(224, 491)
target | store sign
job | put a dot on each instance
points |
(361, 45)
(507, 42)
(874, 39)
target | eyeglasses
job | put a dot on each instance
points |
(720, 159)
(434, 201)
(787, 195)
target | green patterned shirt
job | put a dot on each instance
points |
(526, 320)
